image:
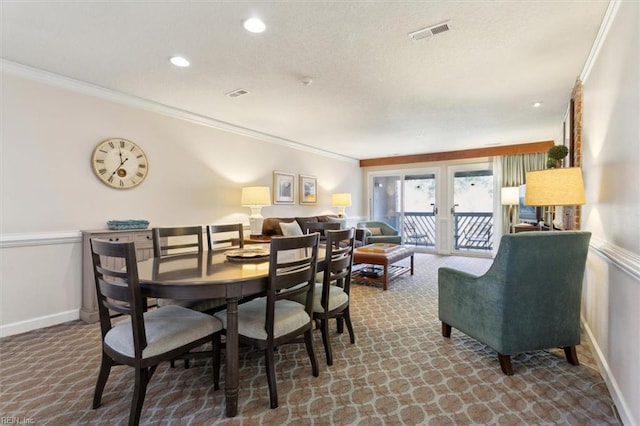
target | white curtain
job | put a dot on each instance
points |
(514, 173)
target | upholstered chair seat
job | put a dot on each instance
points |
(166, 328)
(288, 317)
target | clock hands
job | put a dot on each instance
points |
(120, 165)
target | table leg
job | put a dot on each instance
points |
(411, 264)
(385, 276)
(231, 361)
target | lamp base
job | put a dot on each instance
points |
(255, 220)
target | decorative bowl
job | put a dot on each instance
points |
(127, 224)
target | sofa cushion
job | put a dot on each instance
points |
(291, 229)
(375, 231)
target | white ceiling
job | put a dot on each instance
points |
(375, 93)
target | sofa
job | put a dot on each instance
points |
(271, 225)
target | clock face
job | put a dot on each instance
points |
(119, 163)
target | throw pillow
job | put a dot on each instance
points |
(291, 229)
(375, 231)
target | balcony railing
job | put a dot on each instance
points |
(472, 231)
(419, 229)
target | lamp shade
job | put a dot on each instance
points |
(555, 187)
(341, 199)
(509, 195)
(255, 196)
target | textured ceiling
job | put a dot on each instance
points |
(374, 93)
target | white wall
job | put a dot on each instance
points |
(611, 158)
(50, 127)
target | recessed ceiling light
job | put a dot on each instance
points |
(536, 104)
(254, 25)
(179, 61)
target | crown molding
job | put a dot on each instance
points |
(147, 105)
(606, 24)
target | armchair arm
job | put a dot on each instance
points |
(389, 230)
(472, 304)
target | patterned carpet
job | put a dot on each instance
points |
(400, 371)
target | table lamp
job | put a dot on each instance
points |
(255, 197)
(554, 187)
(341, 200)
(509, 196)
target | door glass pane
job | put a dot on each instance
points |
(473, 210)
(386, 200)
(419, 223)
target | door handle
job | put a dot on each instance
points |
(453, 209)
(435, 209)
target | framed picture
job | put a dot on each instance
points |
(283, 188)
(308, 190)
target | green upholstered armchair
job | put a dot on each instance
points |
(528, 300)
(379, 232)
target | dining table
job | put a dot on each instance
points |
(213, 274)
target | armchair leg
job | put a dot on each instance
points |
(505, 364)
(571, 355)
(446, 330)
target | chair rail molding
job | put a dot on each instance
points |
(626, 260)
(40, 239)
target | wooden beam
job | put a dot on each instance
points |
(524, 148)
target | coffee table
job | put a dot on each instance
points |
(385, 255)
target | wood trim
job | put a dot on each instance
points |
(525, 148)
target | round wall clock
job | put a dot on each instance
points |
(119, 163)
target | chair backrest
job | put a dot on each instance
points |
(292, 271)
(177, 240)
(117, 287)
(223, 237)
(320, 227)
(539, 275)
(338, 262)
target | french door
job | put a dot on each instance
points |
(471, 221)
(443, 215)
(408, 202)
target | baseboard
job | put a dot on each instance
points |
(40, 322)
(620, 406)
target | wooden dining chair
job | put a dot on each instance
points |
(271, 321)
(331, 295)
(170, 241)
(149, 337)
(224, 237)
(320, 227)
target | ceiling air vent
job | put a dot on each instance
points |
(430, 31)
(237, 93)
